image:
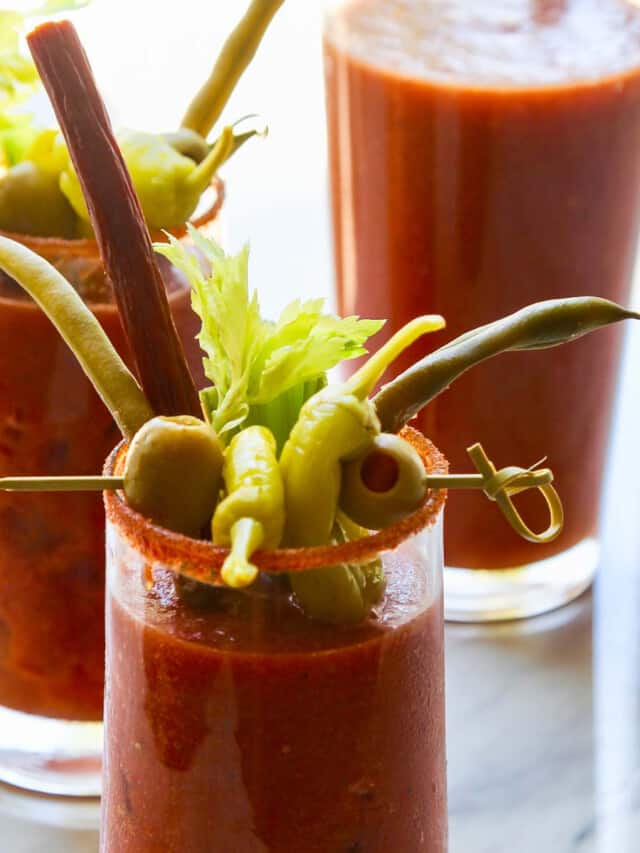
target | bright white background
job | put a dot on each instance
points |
(150, 57)
(276, 188)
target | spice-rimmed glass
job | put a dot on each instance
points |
(52, 546)
(233, 722)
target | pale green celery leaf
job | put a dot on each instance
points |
(16, 68)
(254, 363)
(232, 330)
(305, 344)
(18, 74)
(16, 135)
(18, 78)
(14, 144)
(209, 248)
(17, 131)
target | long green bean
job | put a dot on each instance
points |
(539, 326)
(79, 328)
(236, 54)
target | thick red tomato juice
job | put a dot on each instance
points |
(238, 724)
(52, 545)
(485, 156)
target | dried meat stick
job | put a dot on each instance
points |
(116, 216)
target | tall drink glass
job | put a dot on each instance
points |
(52, 546)
(483, 156)
(235, 723)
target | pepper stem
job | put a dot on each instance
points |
(247, 535)
(364, 380)
(200, 178)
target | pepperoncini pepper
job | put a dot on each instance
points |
(168, 183)
(42, 197)
(252, 515)
(336, 424)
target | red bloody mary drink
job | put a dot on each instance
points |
(274, 677)
(52, 547)
(483, 156)
(51, 419)
(236, 723)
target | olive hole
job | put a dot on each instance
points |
(379, 472)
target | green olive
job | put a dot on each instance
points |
(332, 594)
(188, 143)
(385, 485)
(31, 202)
(339, 595)
(173, 473)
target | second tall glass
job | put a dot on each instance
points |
(483, 157)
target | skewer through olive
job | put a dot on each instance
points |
(385, 485)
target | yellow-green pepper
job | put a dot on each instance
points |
(168, 184)
(252, 514)
(336, 424)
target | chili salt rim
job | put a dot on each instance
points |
(202, 561)
(88, 247)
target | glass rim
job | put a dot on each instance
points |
(87, 247)
(201, 560)
(457, 85)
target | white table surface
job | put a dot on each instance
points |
(543, 715)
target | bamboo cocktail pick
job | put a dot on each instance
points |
(498, 485)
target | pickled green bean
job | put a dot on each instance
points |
(109, 375)
(236, 54)
(538, 326)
